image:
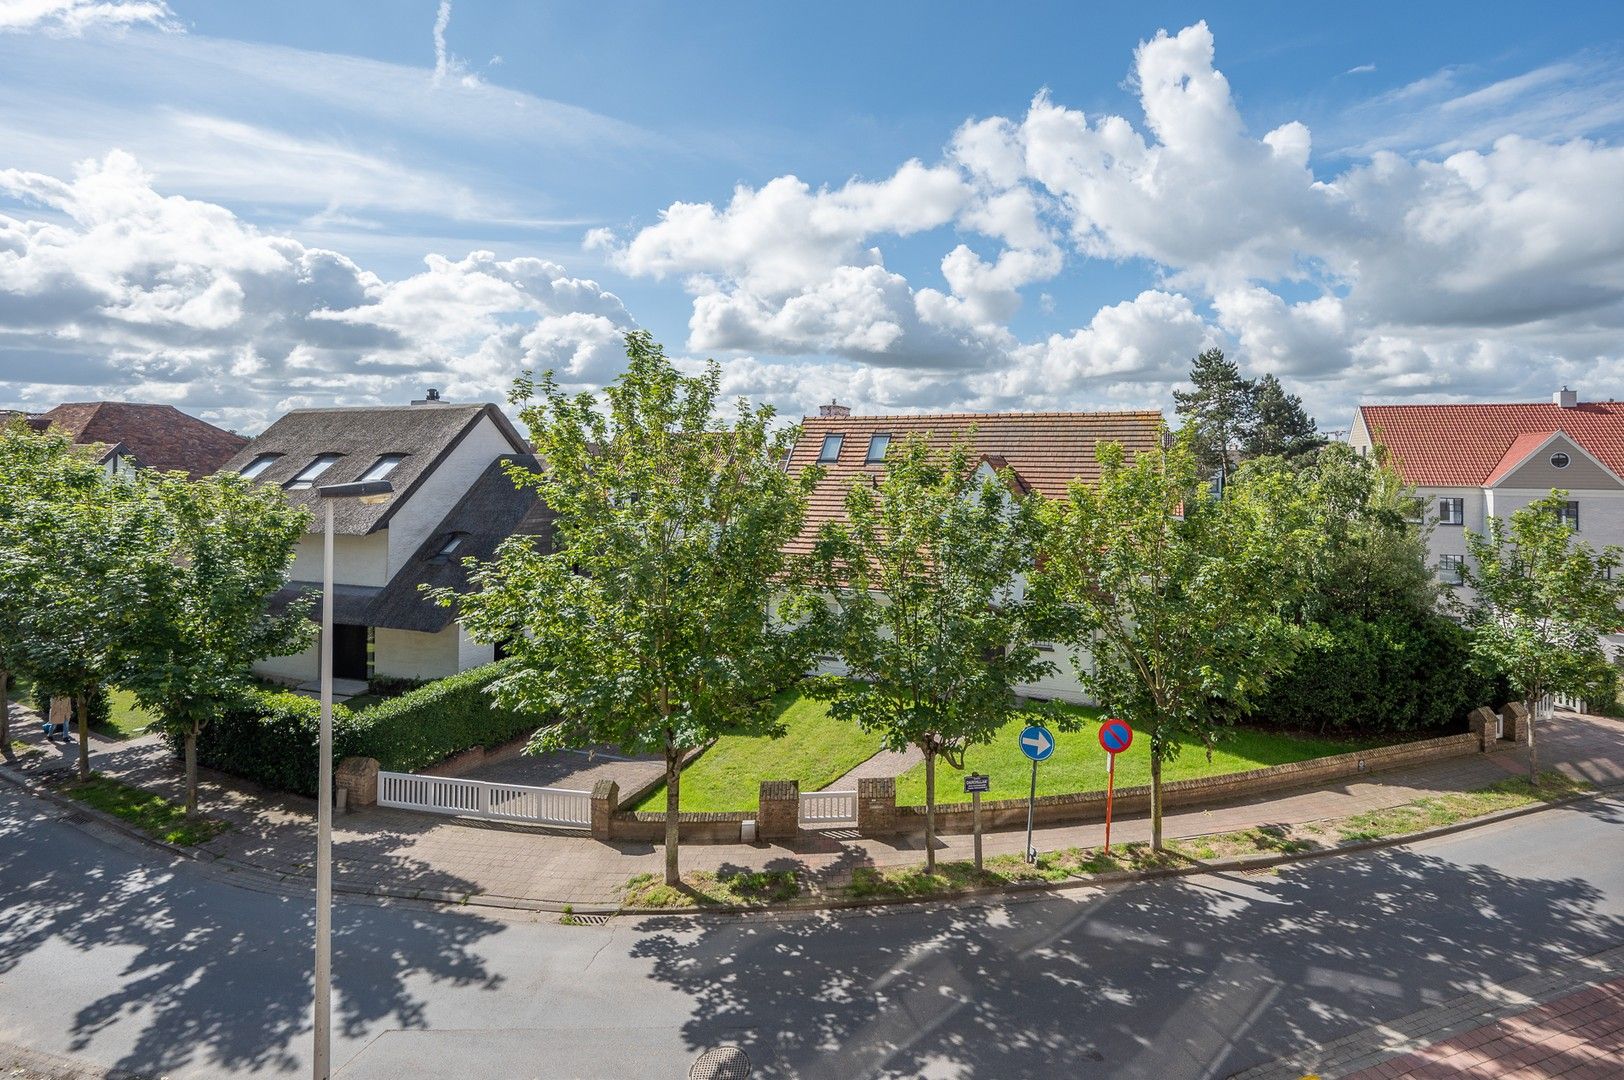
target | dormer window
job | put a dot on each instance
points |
(450, 545)
(877, 445)
(253, 469)
(830, 451)
(307, 476)
(383, 467)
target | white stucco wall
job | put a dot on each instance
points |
(301, 667)
(357, 560)
(470, 653)
(416, 519)
(412, 655)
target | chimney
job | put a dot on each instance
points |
(1565, 398)
(431, 396)
(834, 410)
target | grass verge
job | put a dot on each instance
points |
(725, 888)
(815, 749)
(22, 751)
(152, 814)
(902, 882)
(1437, 811)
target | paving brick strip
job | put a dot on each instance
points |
(1566, 1021)
(405, 854)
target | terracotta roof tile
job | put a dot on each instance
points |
(158, 436)
(1467, 445)
(1045, 450)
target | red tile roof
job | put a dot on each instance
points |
(1467, 445)
(1045, 450)
(157, 436)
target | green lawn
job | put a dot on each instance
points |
(1078, 763)
(815, 750)
(126, 720)
(152, 814)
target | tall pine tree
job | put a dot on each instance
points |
(1279, 425)
(1217, 414)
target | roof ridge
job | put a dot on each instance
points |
(989, 413)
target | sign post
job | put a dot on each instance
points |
(1115, 737)
(1037, 744)
(974, 785)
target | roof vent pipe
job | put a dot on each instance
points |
(1565, 398)
(431, 396)
(834, 410)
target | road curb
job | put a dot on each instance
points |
(500, 902)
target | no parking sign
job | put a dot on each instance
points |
(1115, 737)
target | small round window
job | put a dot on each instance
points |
(1559, 460)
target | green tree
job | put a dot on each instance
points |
(82, 541)
(1183, 609)
(1542, 599)
(222, 548)
(1217, 413)
(927, 604)
(1277, 424)
(647, 626)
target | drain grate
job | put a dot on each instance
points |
(584, 920)
(77, 818)
(722, 1063)
(1260, 871)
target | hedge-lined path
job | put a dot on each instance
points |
(885, 763)
(408, 853)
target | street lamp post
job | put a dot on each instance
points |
(369, 491)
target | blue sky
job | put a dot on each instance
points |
(244, 208)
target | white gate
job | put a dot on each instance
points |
(829, 808)
(1551, 702)
(483, 799)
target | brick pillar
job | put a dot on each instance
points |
(778, 814)
(357, 777)
(877, 806)
(1517, 724)
(605, 798)
(1483, 723)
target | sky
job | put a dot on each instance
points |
(245, 208)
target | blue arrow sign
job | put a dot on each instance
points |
(1036, 742)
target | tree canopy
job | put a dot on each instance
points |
(922, 592)
(646, 626)
(1229, 416)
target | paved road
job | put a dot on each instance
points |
(117, 958)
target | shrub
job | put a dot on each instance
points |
(101, 706)
(273, 738)
(1390, 674)
(441, 718)
(388, 686)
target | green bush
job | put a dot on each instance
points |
(441, 718)
(1388, 675)
(101, 706)
(273, 738)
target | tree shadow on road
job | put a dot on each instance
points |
(1179, 978)
(209, 991)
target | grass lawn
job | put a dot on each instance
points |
(126, 719)
(815, 750)
(152, 814)
(1078, 763)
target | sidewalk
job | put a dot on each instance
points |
(1567, 1023)
(405, 853)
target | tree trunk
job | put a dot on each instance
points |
(191, 771)
(1533, 755)
(930, 810)
(83, 702)
(673, 800)
(1155, 796)
(5, 718)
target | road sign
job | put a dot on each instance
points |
(1036, 742)
(1115, 735)
(977, 782)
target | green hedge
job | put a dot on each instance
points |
(441, 718)
(273, 738)
(1387, 676)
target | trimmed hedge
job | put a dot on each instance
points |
(441, 718)
(273, 739)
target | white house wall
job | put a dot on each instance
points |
(357, 560)
(301, 667)
(420, 515)
(470, 653)
(409, 654)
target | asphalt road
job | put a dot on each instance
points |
(113, 956)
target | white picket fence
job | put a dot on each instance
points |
(829, 808)
(483, 799)
(1551, 702)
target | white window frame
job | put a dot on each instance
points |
(839, 439)
(256, 468)
(1452, 569)
(307, 477)
(884, 439)
(381, 468)
(1569, 514)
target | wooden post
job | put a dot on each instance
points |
(975, 810)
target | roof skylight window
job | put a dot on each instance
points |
(307, 476)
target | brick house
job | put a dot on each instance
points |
(1044, 451)
(453, 499)
(1472, 462)
(130, 434)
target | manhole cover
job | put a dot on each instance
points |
(585, 920)
(722, 1063)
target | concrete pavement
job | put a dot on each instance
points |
(118, 958)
